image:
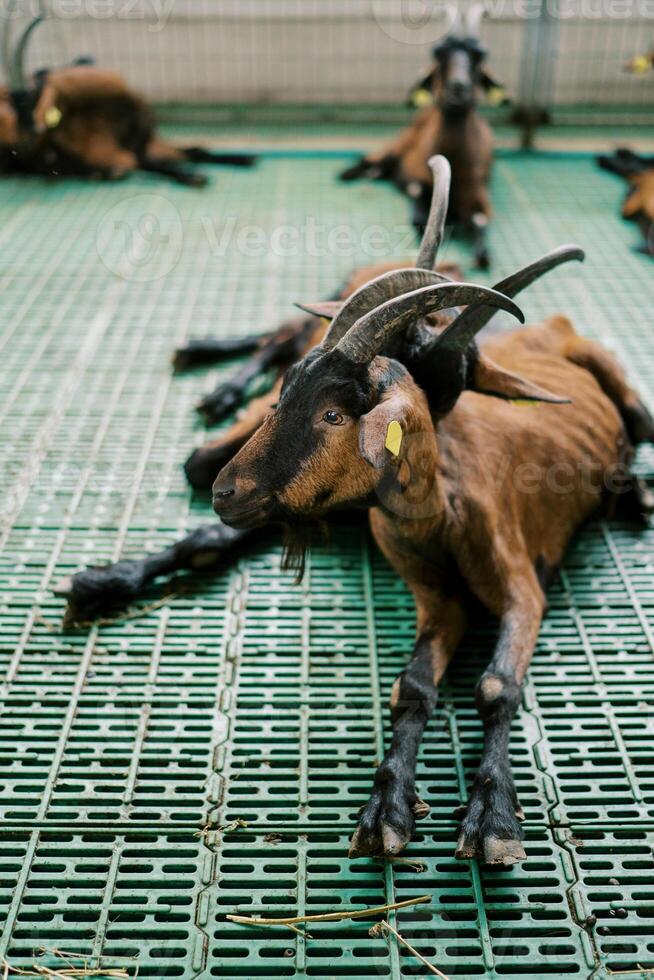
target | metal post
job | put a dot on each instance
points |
(540, 45)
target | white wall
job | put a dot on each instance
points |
(328, 51)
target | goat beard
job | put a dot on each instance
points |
(298, 536)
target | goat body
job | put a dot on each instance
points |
(638, 204)
(86, 121)
(451, 127)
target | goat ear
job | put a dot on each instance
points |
(421, 93)
(490, 379)
(382, 431)
(326, 309)
(495, 91)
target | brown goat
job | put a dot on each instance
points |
(638, 205)
(470, 497)
(450, 126)
(85, 121)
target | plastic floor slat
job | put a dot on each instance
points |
(208, 753)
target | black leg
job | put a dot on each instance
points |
(198, 154)
(231, 393)
(172, 169)
(205, 463)
(282, 348)
(490, 829)
(387, 820)
(96, 589)
(208, 350)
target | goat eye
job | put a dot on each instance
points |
(334, 418)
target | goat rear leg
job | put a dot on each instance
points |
(198, 154)
(97, 589)
(208, 350)
(387, 820)
(171, 168)
(283, 347)
(204, 464)
(612, 380)
(490, 829)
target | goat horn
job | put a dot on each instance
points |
(453, 17)
(462, 330)
(16, 67)
(433, 233)
(372, 331)
(372, 294)
(474, 18)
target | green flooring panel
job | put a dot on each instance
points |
(207, 752)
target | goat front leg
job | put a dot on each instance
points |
(387, 820)
(95, 589)
(491, 829)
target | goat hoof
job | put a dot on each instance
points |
(482, 261)
(421, 809)
(386, 839)
(64, 587)
(387, 820)
(466, 848)
(505, 852)
(219, 403)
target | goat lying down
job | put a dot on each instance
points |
(450, 125)
(638, 204)
(85, 121)
(475, 468)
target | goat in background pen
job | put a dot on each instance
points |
(84, 121)
(638, 205)
(449, 125)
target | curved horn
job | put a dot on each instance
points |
(6, 37)
(452, 16)
(16, 68)
(462, 330)
(373, 294)
(433, 233)
(474, 18)
(374, 329)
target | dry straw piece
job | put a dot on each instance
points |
(246, 920)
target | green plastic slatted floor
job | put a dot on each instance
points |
(125, 747)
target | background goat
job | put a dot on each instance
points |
(85, 121)
(450, 125)
(638, 204)
(353, 429)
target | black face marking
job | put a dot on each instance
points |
(458, 61)
(321, 382)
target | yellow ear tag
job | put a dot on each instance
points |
(422, 97)
(52, 117)
(495, 95)
(394, 437)
(523, 401)
(641, 64)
